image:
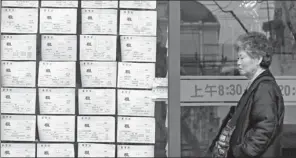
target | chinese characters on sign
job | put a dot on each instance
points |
(226, 90)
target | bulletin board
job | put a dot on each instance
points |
(82, 79)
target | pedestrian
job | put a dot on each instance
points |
(252, 129)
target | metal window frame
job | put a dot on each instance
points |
(174, 109)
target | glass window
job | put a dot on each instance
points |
(210, 83)
(84, 78)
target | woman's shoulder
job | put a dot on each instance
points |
(269, 87)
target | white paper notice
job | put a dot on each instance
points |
(18, 74)
(18, 100)
(18, 127)
(60, 3)
(160, 93)
(97, 101)
(135, 103)
(57, 100)
(134, 22)
(135, 75)
(98, 47)
(10, 3)
(138, 4)
(18, 47)
(63, 21)
(57, 74)
(98, 74)
(59, 47)
(56, 128)
(18, 150)
(138, 49)
(95, 129)
(19, 20)
(99, 4)
(55, 150)
(96, 150)
(99, 21)
(135, 151)
(160, 82)
(136, 130)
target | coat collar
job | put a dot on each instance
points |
(264, 73)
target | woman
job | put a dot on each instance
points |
(252, 129)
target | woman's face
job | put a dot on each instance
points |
(247, 65)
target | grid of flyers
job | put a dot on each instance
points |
(47, 109)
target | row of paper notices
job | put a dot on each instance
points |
(138, 4)
(97, 101)
(136, 22)
(11, 3)
(89, 128)
(57, 100)
(18, 47)
(98, 74)
(98, 47)
(18, 149)
(57, 74)
(59, 47)
(99, 21)
(60, 3)
(135, 103)
(56, 128)
(138, 49)
(67, 150)
(135, 151)
(99, 4)
(19, 20)
(18, 100)
(96, 150)
(136, 130)
(18, 127)
(18, 74)
(135, 75)
(95, 129)
(57, 20)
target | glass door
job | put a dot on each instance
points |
(209, 82)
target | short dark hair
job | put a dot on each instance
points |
(256, 45)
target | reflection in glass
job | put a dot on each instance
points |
(207, 35)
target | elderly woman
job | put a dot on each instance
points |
(252, 129)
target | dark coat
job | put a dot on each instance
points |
(259, 126)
